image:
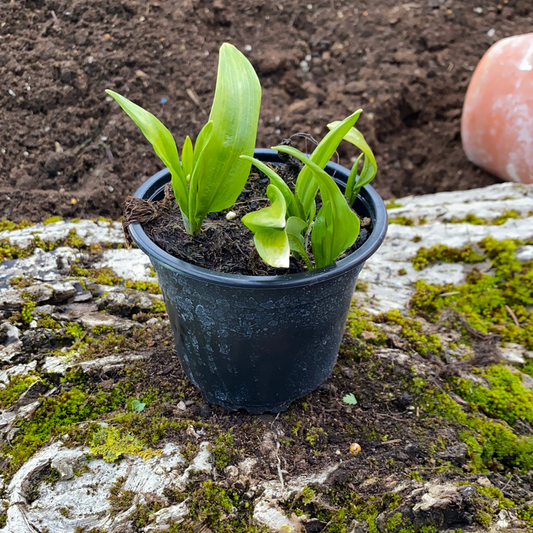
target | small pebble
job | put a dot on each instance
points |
(355, 448)
(231, 215)
(491, 32)
(247, 47)
(12, 93)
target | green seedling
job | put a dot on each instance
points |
(210, 175)
(350, 399)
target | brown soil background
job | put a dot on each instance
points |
(65, 150)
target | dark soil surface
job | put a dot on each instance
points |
(225, 245)
(66, 150)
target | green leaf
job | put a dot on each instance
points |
(272, 216)
(235, 115)
(350, 183)
(294, 229)
(272, 175)
(336, 226)
(306, 186)
(370, 167)
(350, 399)
(137, 406)
(187, 157)
(268, 225)
(162, 141)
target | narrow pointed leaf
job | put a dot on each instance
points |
(306, 186)
(235, 115)
(350, 183)
(201, 148)
(187, 156)
(370, 167)
(336, 226)
(162, 141)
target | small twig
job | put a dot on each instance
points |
(195, 98)
(449, 293)
(78, 341)
(513, 316)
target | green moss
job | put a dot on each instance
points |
(526, 514)
(27, 310)
(505, 398)
(416, 238)
(495, 494)
(488, 301)
(57, 416)
(121, 500)
(412, 332)
(489, 441)
(359, 321)
(48, 322)
(443, 253)
(8, 225)
(402, 272)
(21, 282)
(471, 218)
(112, 443)
(151, 287)
(158, 307)
(16, 386)
(223, 450)
(102, 276)
(402, 221)
(317, 438)
(392, 204)
(415, 475)
(51, 220)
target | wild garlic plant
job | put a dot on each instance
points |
(286, 225)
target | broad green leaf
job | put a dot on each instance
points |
(370, 167)
(336, 226)
(272, 216)
(162, 141)
(187, 156)
(235, 115)
(268, 225)
(274, 179)
(306, 186)
(273, 247)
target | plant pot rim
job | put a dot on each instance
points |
(370, 196)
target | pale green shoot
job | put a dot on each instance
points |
(268, 225)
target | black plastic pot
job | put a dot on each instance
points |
(259, 342)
